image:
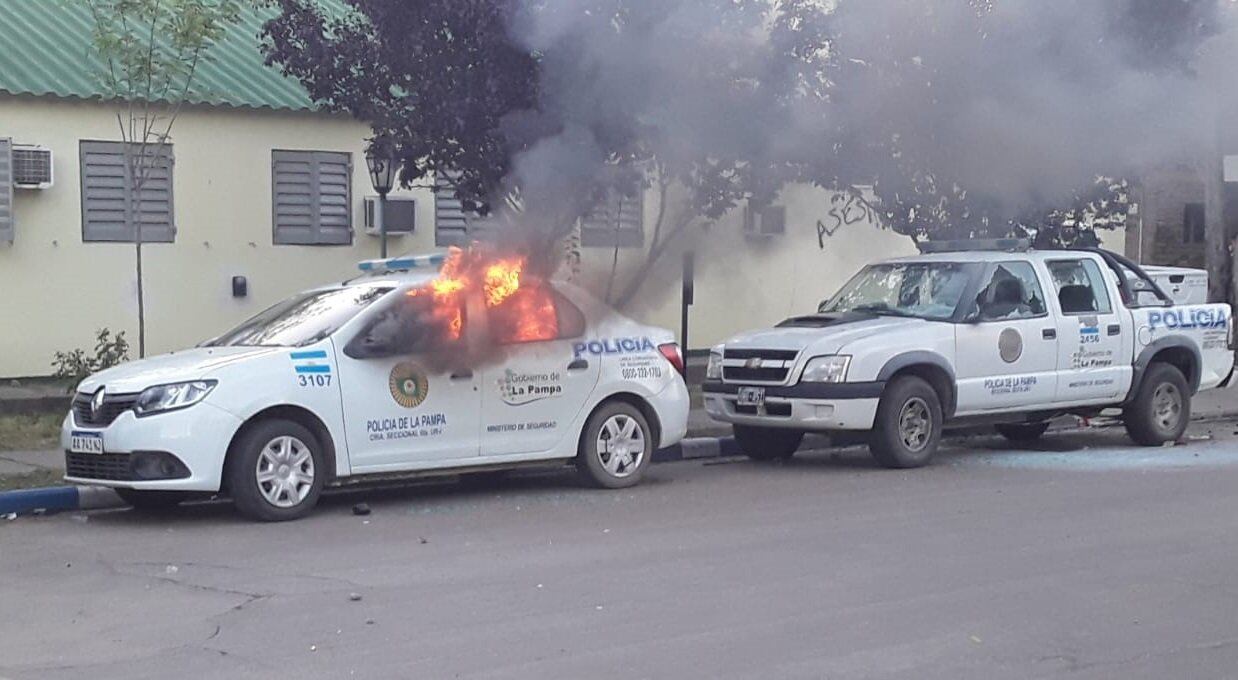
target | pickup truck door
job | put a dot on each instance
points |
(1007, 351)
(1095, 333)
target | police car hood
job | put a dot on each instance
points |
(190, 364)
(822, 333)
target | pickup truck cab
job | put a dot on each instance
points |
(959, 336)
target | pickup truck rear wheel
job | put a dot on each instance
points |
(768, 443)
(1161, 409)
(907, 429)
(1022, 432)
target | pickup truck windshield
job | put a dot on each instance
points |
(926, 290)
(301, 319)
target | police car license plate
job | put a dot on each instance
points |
(86, 442)
(750, 396)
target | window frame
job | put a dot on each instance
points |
(1198, 234)
(561, 303)
(150, 233)
(317, 235)
(616, 236)
(1095, 276)
(373, 316)
(987, 278)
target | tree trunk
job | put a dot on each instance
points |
(1217, 258)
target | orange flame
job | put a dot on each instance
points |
(519, 310)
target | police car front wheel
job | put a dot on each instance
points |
(616, 446)
(276, 471)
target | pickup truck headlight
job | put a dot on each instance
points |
(831, 369)
(161, 398)
(713, 370)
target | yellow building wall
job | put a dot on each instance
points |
(55, 290)
(742, 281)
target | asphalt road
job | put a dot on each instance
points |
(1097, 562)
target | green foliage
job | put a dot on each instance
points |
(150, 49)
(110, 350)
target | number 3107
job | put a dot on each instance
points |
(314, 380)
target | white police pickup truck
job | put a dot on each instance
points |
(973, 333)
(364, 378)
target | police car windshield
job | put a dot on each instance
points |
(926, 290)
(301, 319)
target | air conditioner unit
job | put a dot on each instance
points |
(32, 167)
(761, 222)
(400, 213)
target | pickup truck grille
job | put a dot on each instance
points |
(113, 406)
(757, 365)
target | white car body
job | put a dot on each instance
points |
(527, 404)
(1065, 362)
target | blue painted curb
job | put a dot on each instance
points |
(58, 498)
(50, 498)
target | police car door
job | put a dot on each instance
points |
(1007, 350)
(1095, 342)
(404, 401)
(535, 389)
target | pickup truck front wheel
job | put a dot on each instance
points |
(1161, 409)
(907, 429)
(768, 443)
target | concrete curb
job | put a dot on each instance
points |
(58, 499)
(698, 447)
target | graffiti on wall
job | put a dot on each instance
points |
(846, 208)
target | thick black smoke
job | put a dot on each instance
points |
(1021, 102)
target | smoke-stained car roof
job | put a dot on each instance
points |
(48, 52)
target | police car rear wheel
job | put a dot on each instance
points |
(907, 428)
(616, 446)
(275, 472)
(1161, 409)
(768, 443)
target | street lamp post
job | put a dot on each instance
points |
(382, 176)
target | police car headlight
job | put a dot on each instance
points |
(161, 398)
(713, 370)
(831, 369)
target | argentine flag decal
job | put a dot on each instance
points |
(311, 361)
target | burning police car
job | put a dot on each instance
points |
(997, 334)
(422, 364)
